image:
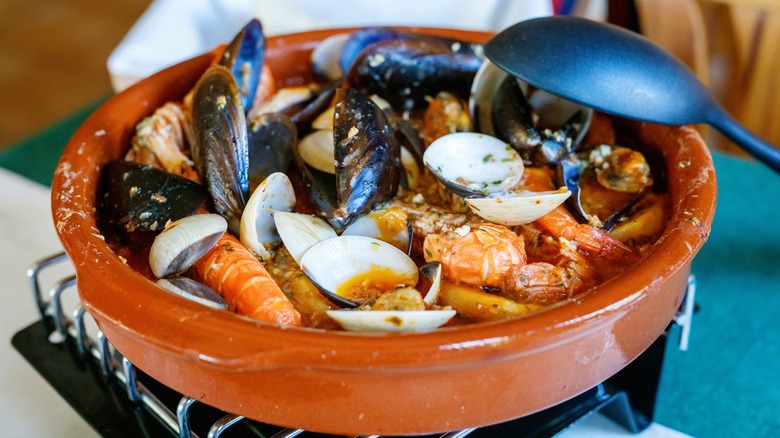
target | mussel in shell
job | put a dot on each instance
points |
(219, 147)
(367, 157)
(244, 58)
(513, 121)
(270, 142)
(140, 197)
(404, 72)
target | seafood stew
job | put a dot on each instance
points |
(418, 187)
(342, 382)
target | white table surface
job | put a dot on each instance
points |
(29, 407)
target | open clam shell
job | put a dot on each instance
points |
(517, 208)
(183, 242)
(317, 150)
(350, 270)
(300, 231)
(390, 320)
(193, 291)
(472, 164)
(258, 229)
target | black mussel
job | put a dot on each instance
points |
(219, 147)
(404, 72)
(244, 58)
(605, 181)
(303, 116)
(139, 197)
(567, 174)
(271, 139)
(367, 157)
(514, 120)
(361, 39)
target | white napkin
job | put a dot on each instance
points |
(171, 31)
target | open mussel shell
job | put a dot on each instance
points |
(193, 291)
(542, 127)
(219, 147)
(472, 164)
(244, 58)
(183, 242)
(385, 225)
(270, 141)
(299, 232)
(517, 208)
(390, 320)
(567, 174)
(139, 197)
(258, 228)
(350, 270)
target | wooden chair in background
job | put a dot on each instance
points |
(733, 46)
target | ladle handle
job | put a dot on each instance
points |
(734, 131)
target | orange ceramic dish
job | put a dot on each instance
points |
(348, 383)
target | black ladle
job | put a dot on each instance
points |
(616, 71)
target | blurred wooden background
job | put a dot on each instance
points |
(53, 58)
(53, 55)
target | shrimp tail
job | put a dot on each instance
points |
(234, 273)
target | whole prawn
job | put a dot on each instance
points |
(233, 272)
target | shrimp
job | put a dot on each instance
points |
(479, 256)
(546, 283)
(161, 139)
(560, 223)
(445, 114)
(233, 272)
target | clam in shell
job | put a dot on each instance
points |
(472, 164)
(193, 291)
(299, 232)
(183, 242)
(351, 270)
(390, 320)
(517, 208)
(257, 227)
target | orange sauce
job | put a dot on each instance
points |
(368, 286)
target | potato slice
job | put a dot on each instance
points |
(472, 303)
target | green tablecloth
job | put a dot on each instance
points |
(728, 382)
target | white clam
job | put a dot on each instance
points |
(257, 227)
(285, 98)
(353, 269)
(317, 150)
(325, 57)
(517, 208)
(194, 291)
(324, 120)
(390, 320)
(300, 231)
(432, 272)
(183, 242)
(472, 164)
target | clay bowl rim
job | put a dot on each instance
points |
(255, 345)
